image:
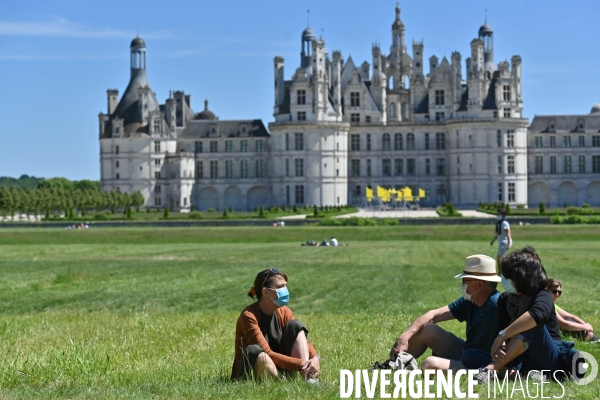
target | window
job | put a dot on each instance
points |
(500, 194)
(117, 164)
(287, 195)
(244, 169)
(537, 142)
(260, 168)
(510, 164)
(260, 146)
(156, 126)
(354, 142)
(157, 147)
(566, 164)
(506, 93)
(410, 141)
(214, 146)
(368, 167)
(287, 167)
(539, 164)
(298, 141)
(386, 167)
(510, 138)
(411, 167)
(506, 112)
(228, 168)
(354, 117)
(117, 148)
(581, 164)
(156, 174)
(354, 99)
(596, 164)
(173, 175)
(398, 141)
(427, 167)
(552, 164)
(439, 98)
(499, 138)
(214, 169)
(244, 146)
(500, 170)
(566, 141)
(511, 192)
(299, 194)
(301, 116)
(157, 201)
(354, 168)
(368, 142)
(301, 97)
(228, 146)
(117, 177)
(441, 193)
(581, 141)
(368, 118)
(398, 167)
(386, 142)
(427, 141)
(393, 110)
(552, 141)
(440, 116)
(157, 162)
(440, 164)
(595, 141)
(197, 147)
(199, 170)
(440, 141)
(287, 141)
(299, 166)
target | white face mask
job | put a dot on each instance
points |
(508, 286)
(465, 295)
(499, 217)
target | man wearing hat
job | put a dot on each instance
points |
(477, 307)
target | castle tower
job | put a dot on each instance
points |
(486, 35)
(308, 36)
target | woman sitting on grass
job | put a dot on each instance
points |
(570, 323)
(526, 318)
(268, 340)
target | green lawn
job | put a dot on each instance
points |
(150, 312)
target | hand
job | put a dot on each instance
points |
(497, 345)
(500, 355)
(311, 368)
(589, 328)
(492, 242)
(400, 345)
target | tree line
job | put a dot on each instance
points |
(52, 200)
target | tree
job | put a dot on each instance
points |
(137, 200)
(166, 214)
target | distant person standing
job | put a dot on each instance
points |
(503, 234)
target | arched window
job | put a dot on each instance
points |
(410, 141)
(398, 141)
(393, 110)
(406, 82)
(386, 144)
(405, 112)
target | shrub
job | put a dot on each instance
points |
(230, 208)
(129, 213)
(573, 211)
(585, 205)
(542, 208)
(566, 204)
(147, 210)
(211, 210)
(195, 215)
(261, 212)
(315, 211)
(225, 213)
(255, 208)
(295, 209)
(101, 216)
(166, 213)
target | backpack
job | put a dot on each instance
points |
(402, 360)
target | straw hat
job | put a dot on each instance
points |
(480, 266)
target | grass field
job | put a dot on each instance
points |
(150, 313)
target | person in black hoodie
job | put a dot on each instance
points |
(527, 323)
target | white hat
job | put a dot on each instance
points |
(481, 267)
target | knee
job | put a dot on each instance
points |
(295, 325)
(263, 359)
(429, 363)
(429, 332)
(253, 351)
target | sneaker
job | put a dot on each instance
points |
(313, 381)
(484, 375)
(594, 339)
(536, 376)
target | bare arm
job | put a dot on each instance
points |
(521, 324)
(508, 235)
(493, 240)
(578, 325)
(432, 316)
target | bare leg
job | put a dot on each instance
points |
(265, 367)
(430, 336)
(514, 348)
(300, 348)
(435, 363)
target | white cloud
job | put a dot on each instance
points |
(61, 27)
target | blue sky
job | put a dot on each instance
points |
(58, 58)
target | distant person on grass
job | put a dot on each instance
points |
(503, 234)
(268, 340)
(570, 323)
(477, 306)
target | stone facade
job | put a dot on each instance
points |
(340, 128)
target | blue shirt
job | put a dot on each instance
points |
(481, 321)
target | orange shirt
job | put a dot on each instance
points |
(247, 332)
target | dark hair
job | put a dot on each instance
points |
(525, 268)
(265, 278)
(553, 283)
(502, 212)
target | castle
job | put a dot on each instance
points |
(340, 128)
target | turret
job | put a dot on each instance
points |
(170, 113)
(365, 69)
(486, 35)
(338, 61)
(319, 79)
(433, 63)
(516, 75)
(138, 55)
(279, 83)
(378, 82)
(308, 36)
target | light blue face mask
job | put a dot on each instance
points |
(508, 286)
(283, 296)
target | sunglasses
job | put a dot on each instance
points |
(558, 292)
(270, 272)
